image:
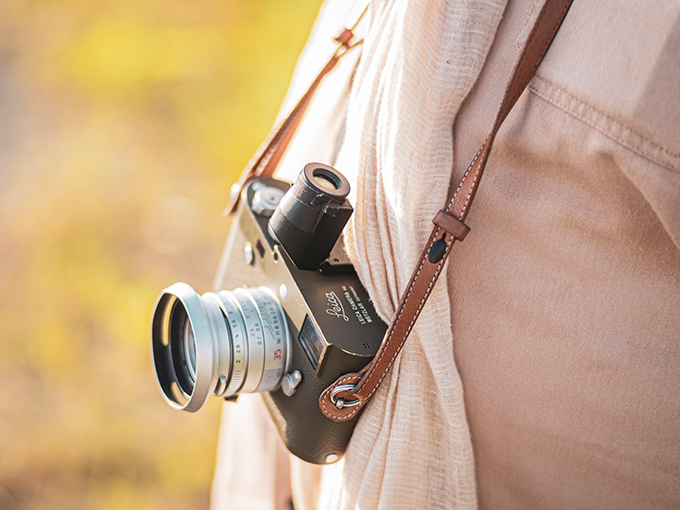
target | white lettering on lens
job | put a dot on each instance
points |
(335, 307)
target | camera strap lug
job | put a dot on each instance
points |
(342, 400)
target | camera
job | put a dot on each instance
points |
(297, 319)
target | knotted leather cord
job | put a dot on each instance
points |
(270, 152)
(343, 399)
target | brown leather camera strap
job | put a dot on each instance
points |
(270, 152)
(343, 399)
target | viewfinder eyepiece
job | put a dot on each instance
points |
(312, 215)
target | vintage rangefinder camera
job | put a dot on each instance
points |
(298, 320)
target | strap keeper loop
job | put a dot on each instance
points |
(345, 37)
(451, 224)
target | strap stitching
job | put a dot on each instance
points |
(462, 181)
(433, 280)
(396, 321)
(478, 173)
(514, 94)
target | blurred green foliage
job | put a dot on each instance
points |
(122, 126)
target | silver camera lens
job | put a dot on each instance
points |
(219, 344)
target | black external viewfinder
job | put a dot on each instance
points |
(312, 215)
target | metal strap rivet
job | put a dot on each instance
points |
(437, 251)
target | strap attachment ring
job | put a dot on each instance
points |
(342, 402)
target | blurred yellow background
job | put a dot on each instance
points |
(123, 124)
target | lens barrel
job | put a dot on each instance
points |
(221, 344)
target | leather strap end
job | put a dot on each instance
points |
(451, 224)
(229, 210)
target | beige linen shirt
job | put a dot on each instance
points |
(566, 302)
(565, 297)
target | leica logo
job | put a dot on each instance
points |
(335, 307)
